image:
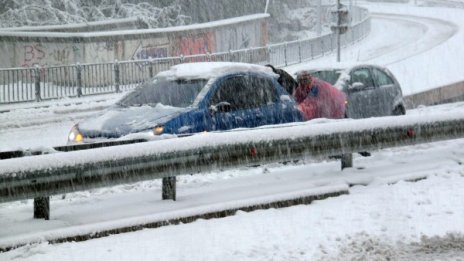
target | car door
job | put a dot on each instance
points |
(362, 96)
(251, 101)
(387, 91)
(227, 103)
(263, 107)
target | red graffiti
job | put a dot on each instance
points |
(198, 44)
(33, 54)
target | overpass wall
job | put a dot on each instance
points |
(30, 48)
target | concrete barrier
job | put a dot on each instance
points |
(445, 94)
(30, 48)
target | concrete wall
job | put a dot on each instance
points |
(26, 49)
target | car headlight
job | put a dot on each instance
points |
(75, 135)
(158, 130)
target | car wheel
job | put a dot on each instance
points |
(399, 110)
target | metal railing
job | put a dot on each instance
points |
(53, 82)
(41, 176)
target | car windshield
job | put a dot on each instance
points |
(176, 93)
(330, 76)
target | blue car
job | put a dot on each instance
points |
(192, 98)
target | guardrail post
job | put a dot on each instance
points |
(347, 160)
(37, 83)
(42, 208)
(169, 188)
(117, 78)
(79, 80)
(299, 50)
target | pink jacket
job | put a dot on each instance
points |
(320, 100)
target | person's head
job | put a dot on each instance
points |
(304, 78)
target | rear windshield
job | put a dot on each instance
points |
(330, 76)
(176, 93)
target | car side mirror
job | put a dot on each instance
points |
(357, 86)
(220, 107)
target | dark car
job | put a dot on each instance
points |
(192, 98)
(371, 90)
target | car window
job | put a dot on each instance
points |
(330, 76)
(381, 78)
(263, 89)
(231, 90)
(177, 93)
(363, 76)
(244, 92)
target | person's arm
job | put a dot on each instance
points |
(300, 94)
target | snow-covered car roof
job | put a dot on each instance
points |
(208, 70)
(343, 68)
(337, 66)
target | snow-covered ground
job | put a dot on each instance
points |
(376, 221)
(405, 221)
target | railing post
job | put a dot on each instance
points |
(169, 188)
(331, 44)
(79, 80)
(311, 49)
(347, 160)
(42, 208)
(117, 78)
(150, 69)
(231, 56)
(208, 56)
(299, 50)
(37, 83)
(182, 58)
(322, 46)
(285, 54)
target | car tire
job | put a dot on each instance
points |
(399, 110)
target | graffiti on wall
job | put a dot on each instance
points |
(150, 52)
(196, 44)
(238, 37)
(245, 40)
(62, 56)
(32, 54)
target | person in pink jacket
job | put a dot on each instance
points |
(318, 99)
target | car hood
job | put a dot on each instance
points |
(120, 121)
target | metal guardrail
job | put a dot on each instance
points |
(53, 174)
(67, 148)
(53, 82)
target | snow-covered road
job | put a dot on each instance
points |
(422, 46)
(420, 35)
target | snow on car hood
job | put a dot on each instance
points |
(120, 121)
